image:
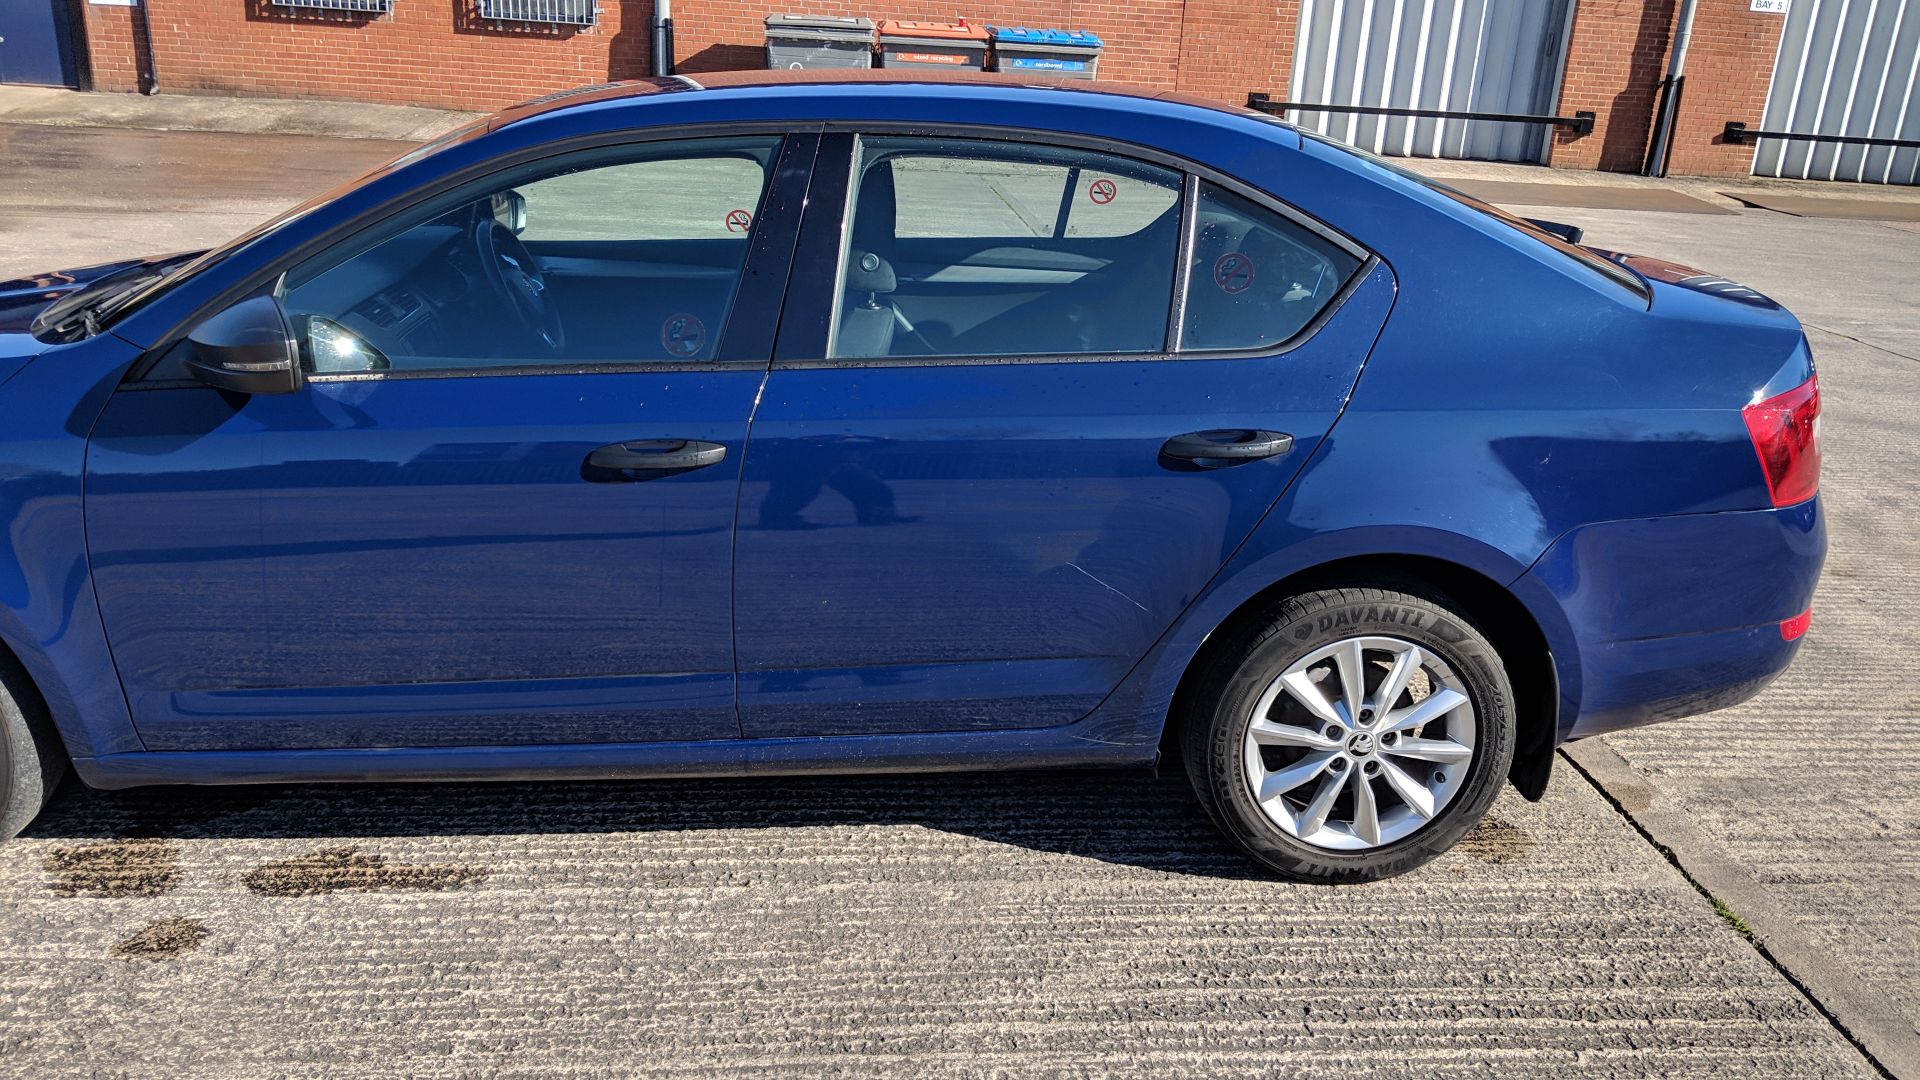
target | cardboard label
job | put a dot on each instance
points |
(1041, 64)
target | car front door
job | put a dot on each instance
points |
(500, 511)
(1024, 405)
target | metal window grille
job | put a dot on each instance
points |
(556, 12)
(358, 7)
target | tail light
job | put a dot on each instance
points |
(1786, 434)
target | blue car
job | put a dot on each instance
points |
(777, 423)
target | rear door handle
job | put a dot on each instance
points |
(657, 455)
(1217, 449)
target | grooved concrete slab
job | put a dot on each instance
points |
(1082, 924)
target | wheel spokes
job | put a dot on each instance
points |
(1268, 733)
(1397, 679)
(1351, 661)
(1314, 817)
(1278, 783)
(1322, 774)
(1439, 703)
(1366, 811)
(1308, 694)
(1444, 751)
(1412, 791)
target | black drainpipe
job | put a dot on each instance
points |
(150, 78)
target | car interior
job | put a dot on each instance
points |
(504, 280)
(491, 282)
(908, 295)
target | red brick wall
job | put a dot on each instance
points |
(435, 52)
(1729, 67)
(426, 52)
(1615, 61)
(1230, 48)
(114, 57)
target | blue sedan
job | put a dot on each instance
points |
(775, 423)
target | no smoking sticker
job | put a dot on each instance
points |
(683, 336)
(1102, 191)
(739, 221)
(1233, 273)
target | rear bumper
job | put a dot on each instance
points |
(1678, 615)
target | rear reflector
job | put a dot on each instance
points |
(1786, 434)
(1794, 627)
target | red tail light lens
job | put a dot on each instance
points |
(1786, 434)
(1791, 629)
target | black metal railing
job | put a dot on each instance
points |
(1737, 133)
(1580, 123)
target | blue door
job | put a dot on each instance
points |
(1027, 425)
(501, 510)
(36, 43)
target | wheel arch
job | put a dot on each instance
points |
(1516, 633)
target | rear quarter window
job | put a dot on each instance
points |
(1606, 268)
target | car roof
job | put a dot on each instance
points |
(930, 84)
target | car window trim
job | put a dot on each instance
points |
(803, 345)
(268, 277)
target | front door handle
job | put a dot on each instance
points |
(1218, 449)
(657, 455)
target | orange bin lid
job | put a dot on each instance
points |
(960, 30)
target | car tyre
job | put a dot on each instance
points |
(1324, 828)
(32, 762)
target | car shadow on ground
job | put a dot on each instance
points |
(1129, 818)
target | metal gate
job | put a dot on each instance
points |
(1846, 67)
(36, 42)
(1495, 56)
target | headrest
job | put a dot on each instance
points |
(869, 273)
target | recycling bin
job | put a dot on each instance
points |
(1059, 54)
(954, 46)
(819, 41)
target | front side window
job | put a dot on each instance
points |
(963, 247)
(1256, 278)
(629, 254)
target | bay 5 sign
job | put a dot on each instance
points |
(783, 424)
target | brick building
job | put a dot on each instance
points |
(1824, 66)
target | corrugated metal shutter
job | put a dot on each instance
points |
(1846, 67)
(1470, 55)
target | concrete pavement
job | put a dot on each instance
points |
(1015, 925)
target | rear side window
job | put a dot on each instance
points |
(1256, 278)
(964, 247)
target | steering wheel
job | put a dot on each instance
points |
(514, 274)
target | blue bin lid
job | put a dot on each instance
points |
(1023, 35)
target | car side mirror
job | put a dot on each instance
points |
(510, 209)
(246, 349)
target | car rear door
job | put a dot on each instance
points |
(470, 527)
(986, 474)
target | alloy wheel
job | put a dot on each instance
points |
(1359, 743)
